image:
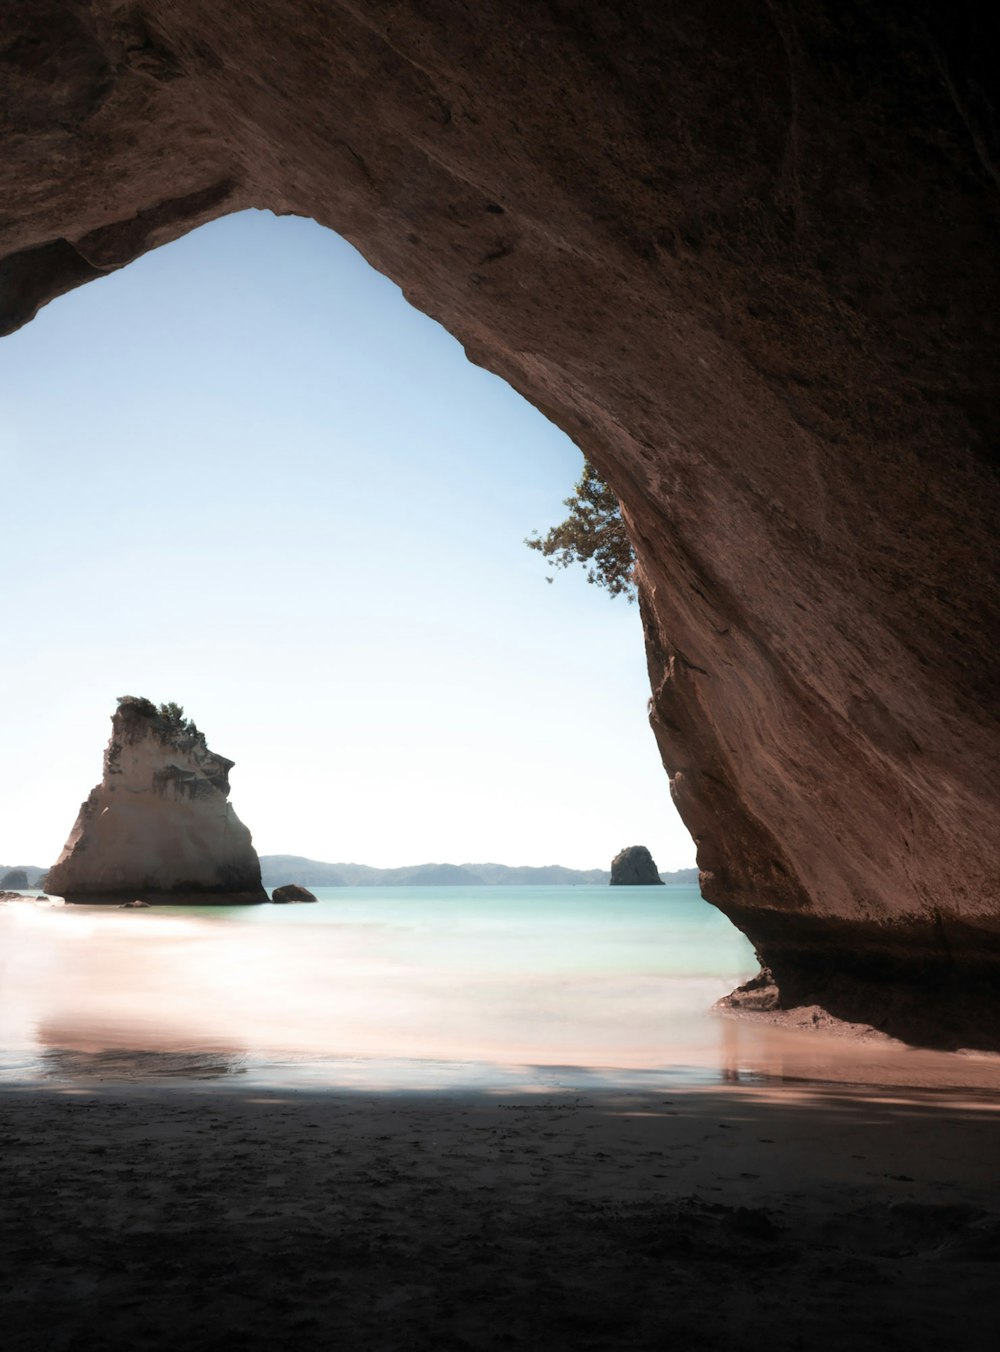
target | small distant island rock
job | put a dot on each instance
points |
(634, 867)
(159, 826)
(14, 878)
(291, 893)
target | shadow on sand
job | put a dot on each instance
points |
(746, 1216)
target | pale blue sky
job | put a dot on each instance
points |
(245, 475)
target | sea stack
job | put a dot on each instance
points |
(159, 826)
(292, 894)
(634, 867)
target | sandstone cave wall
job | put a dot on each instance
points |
(745, 254)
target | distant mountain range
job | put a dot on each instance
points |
(31, 872)
(277, 869)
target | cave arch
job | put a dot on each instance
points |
(745, 256)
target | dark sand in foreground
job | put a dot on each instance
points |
(745, 1216)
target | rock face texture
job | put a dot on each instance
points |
(634, 867)
(290, 894)
(159, 826)
(745, 254)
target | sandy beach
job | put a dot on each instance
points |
(787, 1216)
(220, 1134)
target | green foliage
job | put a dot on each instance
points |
(172, 714)
(592, 535)
(139, 704)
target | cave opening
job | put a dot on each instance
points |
(272, 491)
(746, 257)
(285, 498)
(732, 293)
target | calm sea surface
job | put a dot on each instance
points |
(540, 989)
(394, 985)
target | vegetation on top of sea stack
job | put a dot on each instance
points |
(171, 714)
(593, 534)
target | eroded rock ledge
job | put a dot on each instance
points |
(745, 254)
(159, 826)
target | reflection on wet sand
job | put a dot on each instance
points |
(140, 995)
(68, 1053)
(752, 1050)
(618, 1168)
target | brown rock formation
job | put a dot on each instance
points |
(159, 824)
(745, 254)
(291, 894)
(634, 867)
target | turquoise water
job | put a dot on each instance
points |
(659, 931)
(376, 986)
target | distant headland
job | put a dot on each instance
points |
(279, 868)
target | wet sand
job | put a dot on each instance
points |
(760, 1216)
(211, 1137)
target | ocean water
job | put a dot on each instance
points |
(391, 986)
(537, 990)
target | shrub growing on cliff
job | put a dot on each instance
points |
(172, 714)
(593, 534)
(145, 707)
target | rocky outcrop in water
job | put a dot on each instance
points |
(14, 878)
(634, 867)
(159, 826)
(745, 255)
(291, 894)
